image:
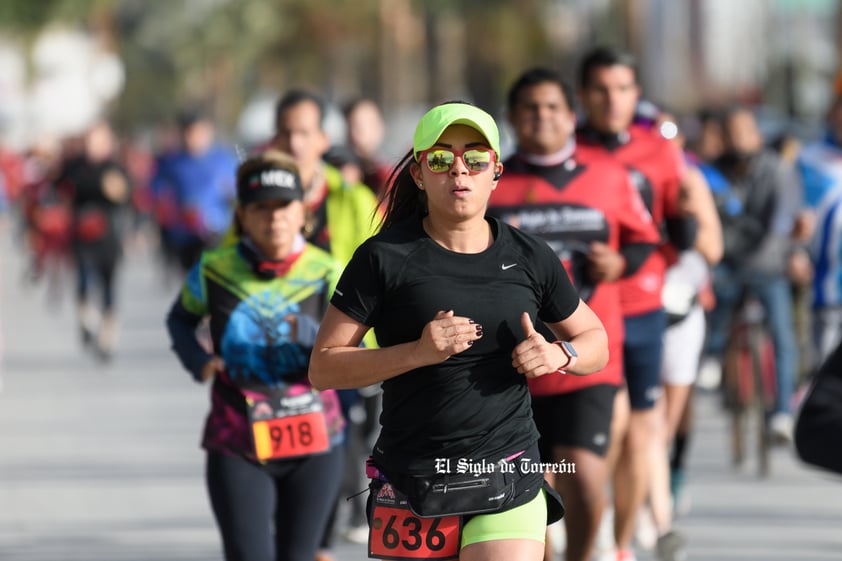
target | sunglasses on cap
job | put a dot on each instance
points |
(440, 160)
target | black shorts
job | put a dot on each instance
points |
(580, 419)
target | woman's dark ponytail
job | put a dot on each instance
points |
(402, 198)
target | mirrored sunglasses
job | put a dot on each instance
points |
(440, 160)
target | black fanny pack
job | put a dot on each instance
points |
(485, 488)
(446, 494)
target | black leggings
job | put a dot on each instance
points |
(96, 265)
(275, 512)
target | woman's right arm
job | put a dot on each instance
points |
(181, 325)
(338, 362)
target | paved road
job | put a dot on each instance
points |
(101, 463)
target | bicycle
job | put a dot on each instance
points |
(749, 384)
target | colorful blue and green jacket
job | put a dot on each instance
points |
(263, 326)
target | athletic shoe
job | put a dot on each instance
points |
(87, 336)
(781, 427)
(672, 546)
(645, 532)
(604, 544)
(625, 555)
(710, 374)
(89, 319)
(106, 340)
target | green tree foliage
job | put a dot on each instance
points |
(221, 52)
(20, 16)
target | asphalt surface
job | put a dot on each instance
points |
(101, 462)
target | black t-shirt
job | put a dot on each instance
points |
(473, 406)
(95, 216)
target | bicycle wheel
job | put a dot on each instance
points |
(758, 339)
(736, 390)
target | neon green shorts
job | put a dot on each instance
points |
(526, 522)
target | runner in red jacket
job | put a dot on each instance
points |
(594, 219)
(609, 92)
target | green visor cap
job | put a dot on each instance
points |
(437, 119)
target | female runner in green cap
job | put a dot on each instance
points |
(451, 296)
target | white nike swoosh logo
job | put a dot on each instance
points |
(507, 267)
(339, 292)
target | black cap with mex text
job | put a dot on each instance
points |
(270, 182)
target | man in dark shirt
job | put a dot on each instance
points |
(756, 227)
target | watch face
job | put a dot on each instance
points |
(568, 348)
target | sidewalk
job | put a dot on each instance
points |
(102, 462)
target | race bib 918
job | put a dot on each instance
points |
(286, 426)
